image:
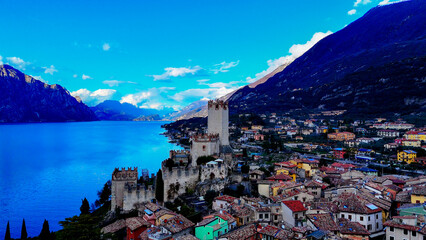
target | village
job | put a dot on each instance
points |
(271, 176)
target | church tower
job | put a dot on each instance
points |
(218, 120)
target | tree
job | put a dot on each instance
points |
(80, 228)
(7, 235)
(159, 186)
(104, 194)
(204, 159)
(85, 207)
(45, 232)
(210, 195)
(24, 234)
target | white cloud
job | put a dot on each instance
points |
(75, 76)
(191, 95)
(1, 60)
(363, 2)
(352, 12)
(114, 83)
(106, 47)
(93, 98)
(176, 72)
(224, 66)
(50, 70)
(295, 51)
(386, 2)
(151, 98)
(17, 62)
(84, 77)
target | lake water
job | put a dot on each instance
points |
(47, 168)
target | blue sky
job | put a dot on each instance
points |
(158, 53)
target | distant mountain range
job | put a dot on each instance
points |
(114, 110)
(374, 66)
(25, 99)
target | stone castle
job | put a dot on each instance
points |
(185, 174)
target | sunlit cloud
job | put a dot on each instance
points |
(176, 72)
(295, 51)
(50, 70)
(224, 67)
(17, 62)
(106, 47)
(115, 83)
(84, 77)
(352, 12)
(93, 98)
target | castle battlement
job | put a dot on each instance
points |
(211, 137)
(217, 104)
(178, 152)
(123, 174)
(179, 172)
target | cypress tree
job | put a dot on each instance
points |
(7, 235)
(45, 232)
(85, 207)
(23, 230)
(159, 186)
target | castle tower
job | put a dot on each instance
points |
(119, 180)
(218, 120)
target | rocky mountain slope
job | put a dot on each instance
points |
(375, 65)
(114, 110)
(25, 99)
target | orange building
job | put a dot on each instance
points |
(341, 136)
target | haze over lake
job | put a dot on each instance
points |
(47, 168)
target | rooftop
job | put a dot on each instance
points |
(295, 205)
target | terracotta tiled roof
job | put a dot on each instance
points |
(352, 228)
(177, 224)
(136, 222)
(114, 227)
(187, 237)
(241, 233)
(419, 190)
(281, 177)
(226, 198)
(274, 232)
(295, 205)
(152, 206)
(349, 202)
(323, 221)
(326, 206)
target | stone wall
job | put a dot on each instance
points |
(203, 145)
(137, 194)
(217, 171)
(178, 180)
(218, 120)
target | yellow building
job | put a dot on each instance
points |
(411, 143)
(418, 194)
(414, 135)
(287, 172)
(407, 156)
(310, 166)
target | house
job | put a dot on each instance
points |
(415, 135)
(405, 227)
(293, 212)
(339, 153)
(390, 146)
(262, 214)
(343, 166)
(341, 136)
(256, 175)
(351, 143)
(316, 188)
(211, 228)
(387, 133)
(365, 152)
(418, 194)
(365, 140)
(242, 214)
(410, 143)
(407, 156)
(356, 209)
(223, 202)
(135, 226)
(178, 226)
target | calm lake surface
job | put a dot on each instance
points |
(47, 168)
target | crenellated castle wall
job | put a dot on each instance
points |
(178, 180)
(134, 194)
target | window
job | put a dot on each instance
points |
(368, 218)
(276, 217)
(361, 218)
(391, 229)
(296, 215)
(204, 147)
(377, 225)
(266, 215)
(260, 215)
(343, 215)
(369, 227)
(377, 216)
(350, 217)
(405, 231)
(414, 233)
(391, 238)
